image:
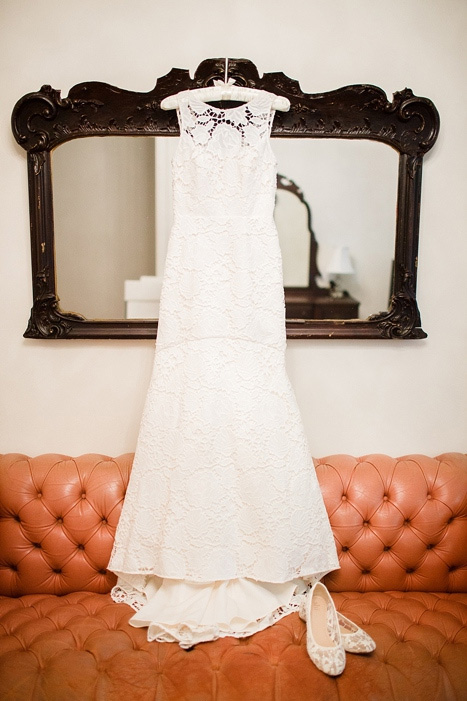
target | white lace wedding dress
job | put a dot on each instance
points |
(223, 524)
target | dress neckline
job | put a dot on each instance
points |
(224, 110)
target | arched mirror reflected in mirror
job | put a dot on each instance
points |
(293, 219)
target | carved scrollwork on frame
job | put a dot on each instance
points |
(48, 321)
(43, 120)
(403, 319)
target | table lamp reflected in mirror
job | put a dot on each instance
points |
(340, 264)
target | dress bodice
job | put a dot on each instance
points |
(223, 272)
(224, 165)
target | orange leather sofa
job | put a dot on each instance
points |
(401, 531)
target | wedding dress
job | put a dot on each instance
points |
(223, 526)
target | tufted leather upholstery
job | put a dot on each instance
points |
(401, 531)
(59, 516)
(398, 523)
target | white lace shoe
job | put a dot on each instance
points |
(353, 638)
(323, 638)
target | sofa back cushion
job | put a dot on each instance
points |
(399, 523)
(57, 522)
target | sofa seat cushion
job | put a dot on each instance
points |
(80, 647)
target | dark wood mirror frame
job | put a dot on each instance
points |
(43, 120)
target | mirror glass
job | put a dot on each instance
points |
(104, 221)
(351, 189)
(112, 222)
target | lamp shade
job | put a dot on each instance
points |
(340, 262)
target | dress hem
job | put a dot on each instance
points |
(190, 613)
(309, 576)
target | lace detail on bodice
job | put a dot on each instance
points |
(251, 120)
(224, 165)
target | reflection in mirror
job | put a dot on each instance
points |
(112, 223)
(104, 221)
(351, 189)
(291, 218)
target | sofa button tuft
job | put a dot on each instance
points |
(80, 546)
(345, 548)
(57, 570)
(410, 570)
(59, 519)
(37, 545)
(344, 497)
(386, 548)
(366, 571)
(83, 495)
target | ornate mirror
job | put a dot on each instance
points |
(347, 208)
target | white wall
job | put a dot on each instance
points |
(356, 396)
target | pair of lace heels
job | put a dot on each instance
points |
(329, 634)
